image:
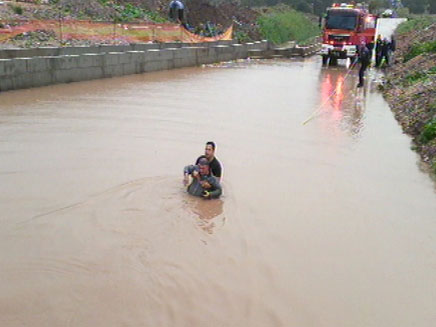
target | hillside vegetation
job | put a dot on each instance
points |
(411, 84)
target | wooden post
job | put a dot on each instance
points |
(60, 27)
(61, 36)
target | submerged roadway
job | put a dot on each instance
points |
(326, 224)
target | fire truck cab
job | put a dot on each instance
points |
(345, 27)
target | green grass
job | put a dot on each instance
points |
(418, 49)
(280, 26)
(421, 76)
(415, 78)
(433, 106)
(241, 37)
(130, 12)
(429, 132)
(16, 9)
(414, 24)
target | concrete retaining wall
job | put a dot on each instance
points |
(295, 51)
(55, 51)
(19, 72)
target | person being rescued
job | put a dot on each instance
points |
(203, 184)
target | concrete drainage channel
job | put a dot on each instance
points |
(26, 68)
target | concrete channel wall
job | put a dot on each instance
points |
(78, 50)
(295, 51)
(33, 71)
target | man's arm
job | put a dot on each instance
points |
(216, 189)
(189, 170)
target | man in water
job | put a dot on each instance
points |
(202, 183)
(214, 164)
(365, 59)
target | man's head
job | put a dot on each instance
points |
(209, 151)
(203, 164)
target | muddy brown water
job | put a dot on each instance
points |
(331, 223)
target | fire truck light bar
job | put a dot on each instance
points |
(343, 5)
(352, 5)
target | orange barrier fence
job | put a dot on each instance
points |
(107, 32)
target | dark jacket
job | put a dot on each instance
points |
(385, 47)
(364, 55)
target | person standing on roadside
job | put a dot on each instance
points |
(378, 46)
(214, 164)
(385, 51)
(177, 9)
(365, 59)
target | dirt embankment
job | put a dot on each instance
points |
(198, 13)
(243, 18)
(410, 89)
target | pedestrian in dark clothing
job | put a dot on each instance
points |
(365, 60)
(393, 43)
(378, 47)
(176, 12)
(385, 51)
(215, 166)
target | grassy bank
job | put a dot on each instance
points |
(411, 83)
(416, 23)
(282, 24)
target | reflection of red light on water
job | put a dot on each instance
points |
(339, 96)
(326, 88)
(332, 94)
(333, 91)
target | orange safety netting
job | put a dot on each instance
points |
(106, 32)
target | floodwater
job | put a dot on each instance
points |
(330, 223)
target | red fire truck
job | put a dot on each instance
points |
(345, 27)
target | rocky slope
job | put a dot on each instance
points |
(411, 89)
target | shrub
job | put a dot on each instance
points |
(155, 17)
(415, 24)
(403, 12)
(429, 132)
(285, 25)
(130, 12)
(414, 78)
(418, 76)
(242, 37)
(417, 49)
(17, 9)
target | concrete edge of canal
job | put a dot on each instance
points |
(26, 68)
